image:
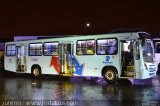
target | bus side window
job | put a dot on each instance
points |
(90, 51)
(158, 48)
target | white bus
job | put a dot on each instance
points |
(157, 52)
(111, 56)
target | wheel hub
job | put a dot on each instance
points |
(36, 72)
(110, 75)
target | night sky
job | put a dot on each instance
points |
(70, 17)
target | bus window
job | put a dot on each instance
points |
(86, 47)
(148, 51)
(11, 50)
(51, 48)
(157, 48)
(35, 49)
(107, 46)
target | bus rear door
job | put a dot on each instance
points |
(20, 59)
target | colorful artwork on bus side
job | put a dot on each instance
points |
(77, 67)
(54, 63)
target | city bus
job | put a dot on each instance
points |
(110, 56)
(157, 52)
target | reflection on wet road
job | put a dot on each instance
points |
(86, 92)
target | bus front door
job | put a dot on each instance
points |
(65, 56)
(21, 59)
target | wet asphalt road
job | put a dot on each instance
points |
(85, 92)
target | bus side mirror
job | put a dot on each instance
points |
(137, 51)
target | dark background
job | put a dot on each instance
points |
(55, 17)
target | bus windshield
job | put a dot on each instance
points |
(147, 50)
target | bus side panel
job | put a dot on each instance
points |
(10, 63)
(157, 57)
(86, 66)
(92, 65)
(44, 62)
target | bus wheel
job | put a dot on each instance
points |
(110, 75)
(36, 71)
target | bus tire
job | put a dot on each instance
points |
(36, 71)
(110, 74)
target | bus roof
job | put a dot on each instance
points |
(116, 34)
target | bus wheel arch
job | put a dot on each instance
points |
(110, 74)
(36, 70)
